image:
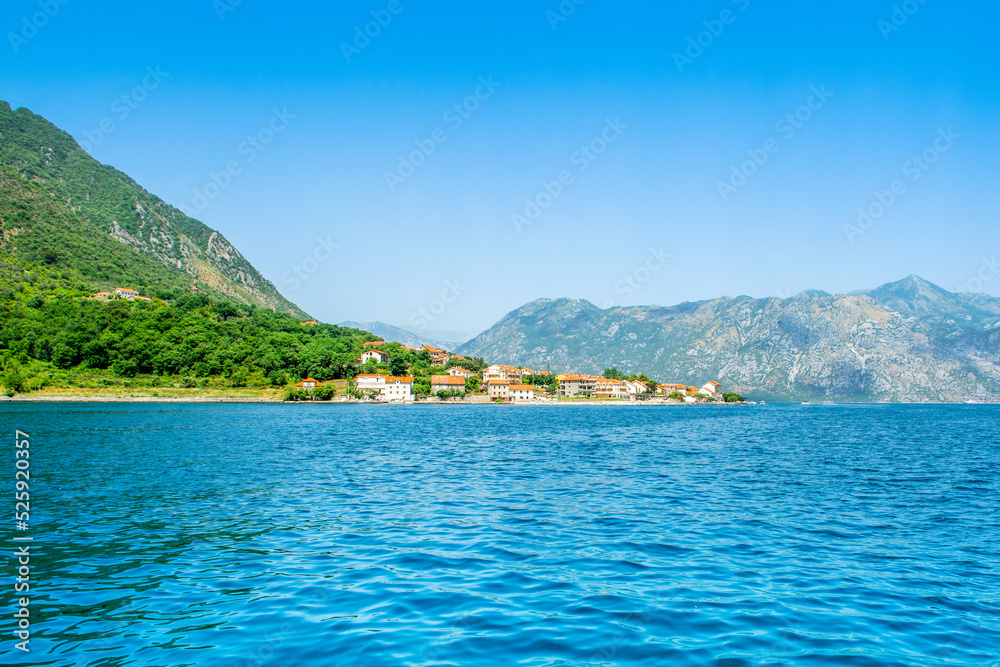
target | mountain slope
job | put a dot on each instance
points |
(395, 334)
(906, 341)
(60, 206)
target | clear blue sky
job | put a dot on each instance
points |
(682, 126)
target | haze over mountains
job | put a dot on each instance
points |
(59, 206)
(445, 340)
(909, 341)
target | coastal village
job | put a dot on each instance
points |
(498, 383)
(490, 383)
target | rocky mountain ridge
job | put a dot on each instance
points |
(909, 341)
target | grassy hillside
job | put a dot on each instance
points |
(52, 334)
(60, 207)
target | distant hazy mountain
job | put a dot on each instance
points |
(406, 337)
(61, 207)
(902, 342)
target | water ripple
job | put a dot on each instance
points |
(331, 535)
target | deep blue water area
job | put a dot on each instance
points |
(167, 534)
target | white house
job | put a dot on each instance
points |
(371, 382)
(398, 389)
(633, 388)
(389, 388)
(713, 389)
(521, 393)
(378, 356)
(458, 371)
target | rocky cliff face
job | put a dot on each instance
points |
(906, 341)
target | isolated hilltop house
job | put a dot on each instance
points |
(120, 294)
(309, 383)
(374, 343)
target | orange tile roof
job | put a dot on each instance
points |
(405, 380)
(499, 382)
(376, 343)
(447, 379)
(522, 387)
(371, 376)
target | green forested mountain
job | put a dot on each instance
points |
(71, 227)
(61, 208)
(52, 333)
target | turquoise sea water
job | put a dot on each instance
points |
(435, 535)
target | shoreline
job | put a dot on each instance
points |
(70, 398)
(136, 399)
